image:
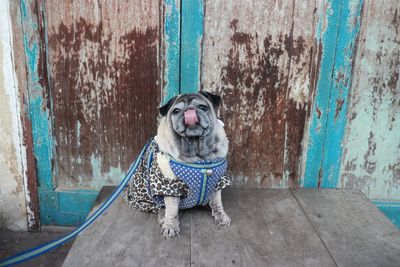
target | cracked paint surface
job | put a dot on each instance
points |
(371, 159)
(258, 56)
(104, 86)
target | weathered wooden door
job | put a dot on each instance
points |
(95, 89)
(283, 69)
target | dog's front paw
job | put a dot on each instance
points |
(170, 228)
(222, 219)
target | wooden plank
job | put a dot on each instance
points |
(268, 229)
(191, 40)
(355, 232)
(127, 237)
(258, 56)
(326, 37)
(32, 197)
(349, 26)
(371, 147)
(105, 85)
(38, 115)
(171, 41)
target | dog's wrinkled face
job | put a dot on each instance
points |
(192, 116)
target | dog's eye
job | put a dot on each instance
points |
(176, 110)
(203, 108)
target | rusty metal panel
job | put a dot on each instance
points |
(105, 89)
(371, 157)
(259, 55)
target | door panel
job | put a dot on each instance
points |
(110, 63)
(259, 56)
(104, 86)
(371, 145)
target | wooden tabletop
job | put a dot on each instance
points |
(270, 227)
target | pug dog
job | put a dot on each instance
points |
(184, 165)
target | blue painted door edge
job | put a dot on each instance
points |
(349, 28)
(391, 209)
(183, 36)
(191, 45)
(171, 49)
(328, 116)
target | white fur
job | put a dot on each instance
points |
(170, 222)
(165, 139)
(163, 163)
(217, 210)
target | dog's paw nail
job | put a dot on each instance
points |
(170, 230)
(223, 220)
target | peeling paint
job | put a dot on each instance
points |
(371, 144)
(104, 85)
(171, 49)
(258, 58)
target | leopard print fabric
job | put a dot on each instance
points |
(148, 183)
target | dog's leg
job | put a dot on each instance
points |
(217, 210)
(161, 216)
(168, 217)
(170, 227)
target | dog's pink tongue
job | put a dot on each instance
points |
(190, 117)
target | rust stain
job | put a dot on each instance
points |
(395, 171)
(394, 79)
(105, 95)
(341, 77)
(255, 89)
(339, 105)
(319, 113)
(370, 165)
(32, 186)
(315, 62)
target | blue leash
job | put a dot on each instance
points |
(32, 253)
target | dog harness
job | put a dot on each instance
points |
(194, 183)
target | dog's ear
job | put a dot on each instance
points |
(215, 99)
(164, 109)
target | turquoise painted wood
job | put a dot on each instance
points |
(328, 117)
(62, 208)
(391, 209)
(327, 41)
(342, 73)
(191, 40)
(172, 46)
(39, 116)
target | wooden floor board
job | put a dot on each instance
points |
(270, 227)
(352, 228)
(126, 237)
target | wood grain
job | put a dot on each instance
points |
(105, 89)
(126, 237)
(355, 232)
(258, 56)
(371, 146)
(268, 229)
